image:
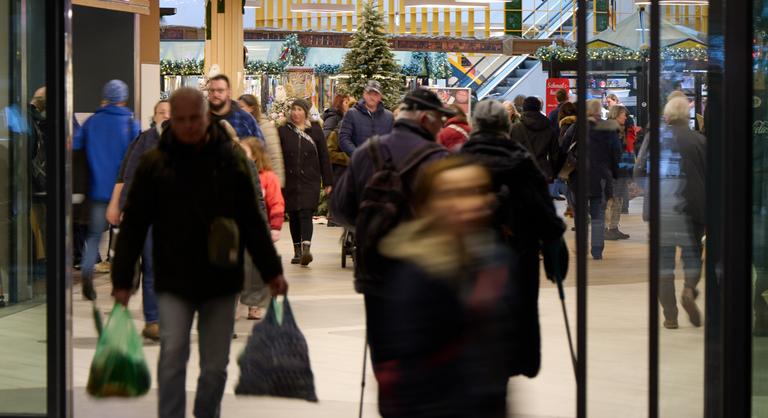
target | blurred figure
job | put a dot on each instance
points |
(567, 123)
(682, 174)
(410, 145)
(332, 118)
(307, 169)
(196, 192)
(535, 133)
(255, 294)
(562, 98)
(604, 151)
(451, 307)
(366, 119)
(250, 104)
(223, 107)
(699, 119)
(518, 102)
(526, 220)
(146, 141)
(456, 130)
(105, 137)
(514, 115)
(619, 114)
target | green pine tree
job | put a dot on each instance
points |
(293, 53)
(370, 58)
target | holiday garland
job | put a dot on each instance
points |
(181, 67)
(569, 53)
(265, 67)
(293, 53)
(436, 64)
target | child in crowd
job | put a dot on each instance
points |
(255, 293)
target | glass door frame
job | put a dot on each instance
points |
(729, 234)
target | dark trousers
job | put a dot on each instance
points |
(597, 215)
(692, 265)
(300, 222)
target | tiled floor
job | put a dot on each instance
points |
(331, 317)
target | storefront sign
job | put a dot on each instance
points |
(553, 85)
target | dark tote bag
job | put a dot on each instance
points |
(275, 361)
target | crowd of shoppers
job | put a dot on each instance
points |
(452, 219)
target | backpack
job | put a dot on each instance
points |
(384, 203)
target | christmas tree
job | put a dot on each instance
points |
(293, 53)
(370, 58)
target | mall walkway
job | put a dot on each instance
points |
(331, 316)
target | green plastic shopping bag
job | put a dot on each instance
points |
(118, 368)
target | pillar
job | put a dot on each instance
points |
(148, 87)
(224, 45)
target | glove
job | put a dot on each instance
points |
(555, 254)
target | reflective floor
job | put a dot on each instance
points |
(331, 316)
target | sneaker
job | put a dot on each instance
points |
(558, 198)
(151, 331)
(688, 300)
(622, 235)
(255, 313)
(103, 267)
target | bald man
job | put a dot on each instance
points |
(196, 192)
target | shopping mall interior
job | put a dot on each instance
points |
(608, 346)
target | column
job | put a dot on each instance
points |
(225, 46)
(148, 86)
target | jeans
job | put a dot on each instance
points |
(597, 213)
(615, 204)
(148, 282)
(300, 222)
(691, 250)
(215, 325)
(558, 188)
(96, 226)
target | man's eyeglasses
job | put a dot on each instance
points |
(217, 90)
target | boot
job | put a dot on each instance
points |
(151, 331)
(688, 300)
(306, 255)
(612, 235)
(89, 293)
(296, 254)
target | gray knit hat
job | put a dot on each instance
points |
(490, 116)
(302, 103)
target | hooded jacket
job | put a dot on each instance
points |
(527, 218)
(179, 190)
(535, 132)
(105, 137)
(359, 124)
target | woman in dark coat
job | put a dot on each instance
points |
(526, 218)
(307, 168)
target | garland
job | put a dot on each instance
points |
(189, 67)
(327, 69)
(569, 53)
(182, 67)
(265, 67)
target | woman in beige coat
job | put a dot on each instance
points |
(250, 104)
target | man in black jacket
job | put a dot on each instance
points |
(195, 191)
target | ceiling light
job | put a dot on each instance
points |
(322, 8)
(443, 4)
(252, 4)
(482, 1)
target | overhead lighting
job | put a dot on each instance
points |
(322, 8)
(481, 1)
(252, 4)
(443, 4)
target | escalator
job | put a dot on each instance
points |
(504, 75)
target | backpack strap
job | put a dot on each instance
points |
(419, 155)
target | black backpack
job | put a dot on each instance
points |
(384, 204)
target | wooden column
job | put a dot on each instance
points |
(225, 47)
(148, 80)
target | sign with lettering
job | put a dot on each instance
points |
(553, 85)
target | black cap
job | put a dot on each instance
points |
(422, 99)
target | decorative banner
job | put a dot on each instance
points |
(300, 83)
(553, 85)
(513, 17)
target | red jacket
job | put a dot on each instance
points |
(454, 134)
(273, 197)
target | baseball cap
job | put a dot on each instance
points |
(372, 85)
(422, 99)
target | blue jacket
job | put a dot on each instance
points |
(244, 123)
(359, 124)
(105, 137)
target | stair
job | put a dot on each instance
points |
(513, 78)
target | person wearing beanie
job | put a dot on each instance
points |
(307, 169)
(104, 137)
(524, 206)
(536, 134)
